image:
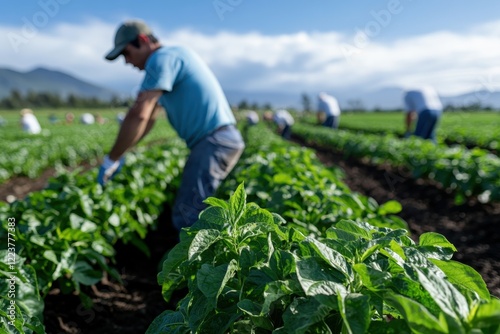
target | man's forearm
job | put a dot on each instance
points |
(409, 120)
(131, 131)
(151, 121)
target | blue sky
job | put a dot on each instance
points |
(264, 45)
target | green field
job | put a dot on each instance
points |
(59, 144)
(469, 128)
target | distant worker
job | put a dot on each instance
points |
(283, 120)
(3, 121)
(252, 117)
(328, 110)
(53, 119)
(69, 117)
(422, 104)
(29, 122)
(99, 119)
(87, 119)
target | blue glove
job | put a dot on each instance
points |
(108, 169)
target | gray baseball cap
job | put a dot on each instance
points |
(125, 34)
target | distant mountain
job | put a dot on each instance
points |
(484, 98)
(45, 80)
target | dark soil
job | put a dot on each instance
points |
(131, 307)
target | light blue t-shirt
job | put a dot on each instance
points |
(193, 98)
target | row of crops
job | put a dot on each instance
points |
(58, 145)
(469, 172)
(293, 250)
(472, 129)
(66, 232)
(472, 173)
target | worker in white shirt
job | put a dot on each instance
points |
(252, 117)
(328, 110)
(283, 120)
(87, 119)
(424, 106)
(29, 122)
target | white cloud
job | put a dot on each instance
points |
(453, 63)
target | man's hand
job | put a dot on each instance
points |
(108, 169)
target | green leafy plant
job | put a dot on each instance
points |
(248, 272)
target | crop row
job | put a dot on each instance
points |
(327, 260)
(66, 232)
(29, 155)
(469, 173)
(313, 264)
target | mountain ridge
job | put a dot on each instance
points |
(42, 79)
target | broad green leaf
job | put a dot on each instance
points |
(102, 247)
(338, 234)
(331, 256)
(355, 311)
(212, 280)
(214, 218)
(114, 220)
(51, 256)
(390, 207)
(282, 178)
(313, 275)
(199, 309)
(170, 277)
(27, 293)
(218, 323)
(201, 242)
(397, 248)
(463, 275)
(86, 204)
(354, 228)
(168, 322)
(275, 291)
(370, 251)
(436, 240)
(372, 278)
(488, 315)
(282, 263)
(82, 224)
(237, 203)
(416, 316)
(85, 274)
(66, 263)
(451, 301)
(213, 201)
(303, 315)
(254, 311)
